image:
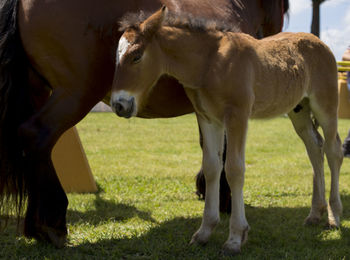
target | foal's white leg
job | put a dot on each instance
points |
(335, 159)
(328, 120)
(236, 129)
(213, 136)
(313, 141)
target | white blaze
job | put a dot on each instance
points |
(122, 48)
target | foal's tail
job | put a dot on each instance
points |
(15, 107)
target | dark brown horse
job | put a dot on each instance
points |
(56, 63)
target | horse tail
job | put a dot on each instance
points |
(15, 108)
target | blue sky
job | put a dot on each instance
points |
(335, 22)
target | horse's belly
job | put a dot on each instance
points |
(277, 99)
(273, 110)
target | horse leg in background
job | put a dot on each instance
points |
(200, 180)
(213, 136)
(47, 202)
(236, 126)
(305, 128)
(225, 192)
(346, 144)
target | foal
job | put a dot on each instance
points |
(229, 78)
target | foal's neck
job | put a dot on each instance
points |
(187, 54)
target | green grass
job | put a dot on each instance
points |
(147, 208)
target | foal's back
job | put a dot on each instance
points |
(288, 67)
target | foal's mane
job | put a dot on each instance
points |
(186, 21)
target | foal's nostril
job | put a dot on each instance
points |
(118, 107)
(123, 107)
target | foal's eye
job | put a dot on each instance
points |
(137, 58)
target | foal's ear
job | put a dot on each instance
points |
(151, 25)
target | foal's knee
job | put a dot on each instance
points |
(235, 172)
(212, 167)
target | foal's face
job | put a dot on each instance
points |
(137, 70)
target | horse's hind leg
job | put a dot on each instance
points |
(334, 158)
(213, 136)
(305, 128)
(326, 115)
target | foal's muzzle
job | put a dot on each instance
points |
(123, 107)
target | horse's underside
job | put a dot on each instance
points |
(56, 63)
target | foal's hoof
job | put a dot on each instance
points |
(198, 241)
(312, 221)
(332, 224)
(333, 220)
(233, 245)
(231, 249)
(200, 238)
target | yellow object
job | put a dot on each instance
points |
(344, 94)
(342, 75)
(343, 63)
(343, 68)
(71, 164)
(344, 99)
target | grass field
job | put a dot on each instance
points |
(147, 209)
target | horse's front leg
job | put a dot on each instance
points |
(213, 137)
(45, 218)
(47, 202)
(236, 125)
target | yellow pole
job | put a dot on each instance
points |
(343, 63)
(344, 94)
(343, 68)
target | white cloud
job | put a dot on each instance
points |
(338, 39)
(298, 6)
(334, 3)
(347, 17)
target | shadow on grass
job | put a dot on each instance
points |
(275, 233)
(107, 211)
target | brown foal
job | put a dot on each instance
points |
(229, 78)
